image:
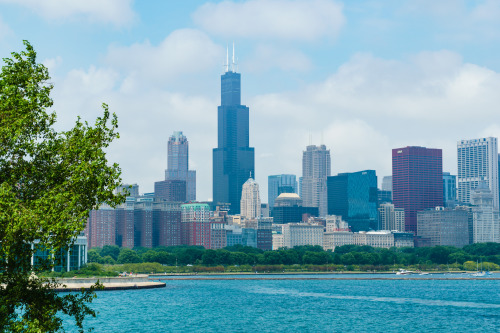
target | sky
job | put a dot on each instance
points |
(362, 77)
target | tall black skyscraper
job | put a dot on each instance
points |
(233, 159)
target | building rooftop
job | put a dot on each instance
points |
(288, 196)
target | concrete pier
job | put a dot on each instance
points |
(109, 283)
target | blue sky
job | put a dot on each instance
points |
(362, 77)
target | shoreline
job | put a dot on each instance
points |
(323, 278)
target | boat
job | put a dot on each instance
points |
(479, 273)
(404, 272)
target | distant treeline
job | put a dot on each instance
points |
(301, 255)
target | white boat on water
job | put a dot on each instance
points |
(479, 273)
(404, 272)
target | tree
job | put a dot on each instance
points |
(110, 250)
(128, 256)
(49, 181)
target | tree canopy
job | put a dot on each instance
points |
(49, 181)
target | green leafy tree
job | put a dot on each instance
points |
(128, 256)
(94, 256)
(110, 250)
(209, 257)
(49, 181)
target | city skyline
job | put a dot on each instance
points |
(366, 77)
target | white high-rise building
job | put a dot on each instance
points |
(477, 161)
(391, 218)
(250, 200)
(485, 223)
(315, 169)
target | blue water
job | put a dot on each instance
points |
(391, 305)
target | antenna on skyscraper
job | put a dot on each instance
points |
(310, 139)
(322, 138)
(233, 64)
(227, 58)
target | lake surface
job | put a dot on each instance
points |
(388, 305)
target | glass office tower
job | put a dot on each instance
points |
(353, 196)
(233, 159)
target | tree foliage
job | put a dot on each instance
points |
(347, 255)
(49, 181)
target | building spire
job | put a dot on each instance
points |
(227, 58)
(233, 64)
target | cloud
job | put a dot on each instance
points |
(460, 21)
(429, 85)
(4, 29)
(362, 110)
(269, 56)
(371, 105)
(184, 51)
(272, 19)
(117, 12)
(52, 63)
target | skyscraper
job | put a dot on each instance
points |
(486, 224)
(477, 161)
(417, 181)
(178, 164)
(443, 226)
(315, 170)
(277, 184)
(250, 199)
(449, 189)
(233, 159)
(391, 218)
(387, 183)
(353, 196)
(195, 227)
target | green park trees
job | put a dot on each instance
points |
(49, 181)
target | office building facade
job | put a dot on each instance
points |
(250, 200)
(295, 234)
(178, 164)
(449, 190)
(354, 196)
(417, 181)
(443, 226)
(316, 167)
(477, 161)
(486, 223)
(195, 229)
(391, 218)
(172, 190)
(233, 159)
(277, 184)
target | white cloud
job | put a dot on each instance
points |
(52, 64)
(270, 56)
(272, 19)
(117, 12)
(362, 110)
(430, 85)
(4, 29)
(371, 105)
(184, 51)
(463, 21)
